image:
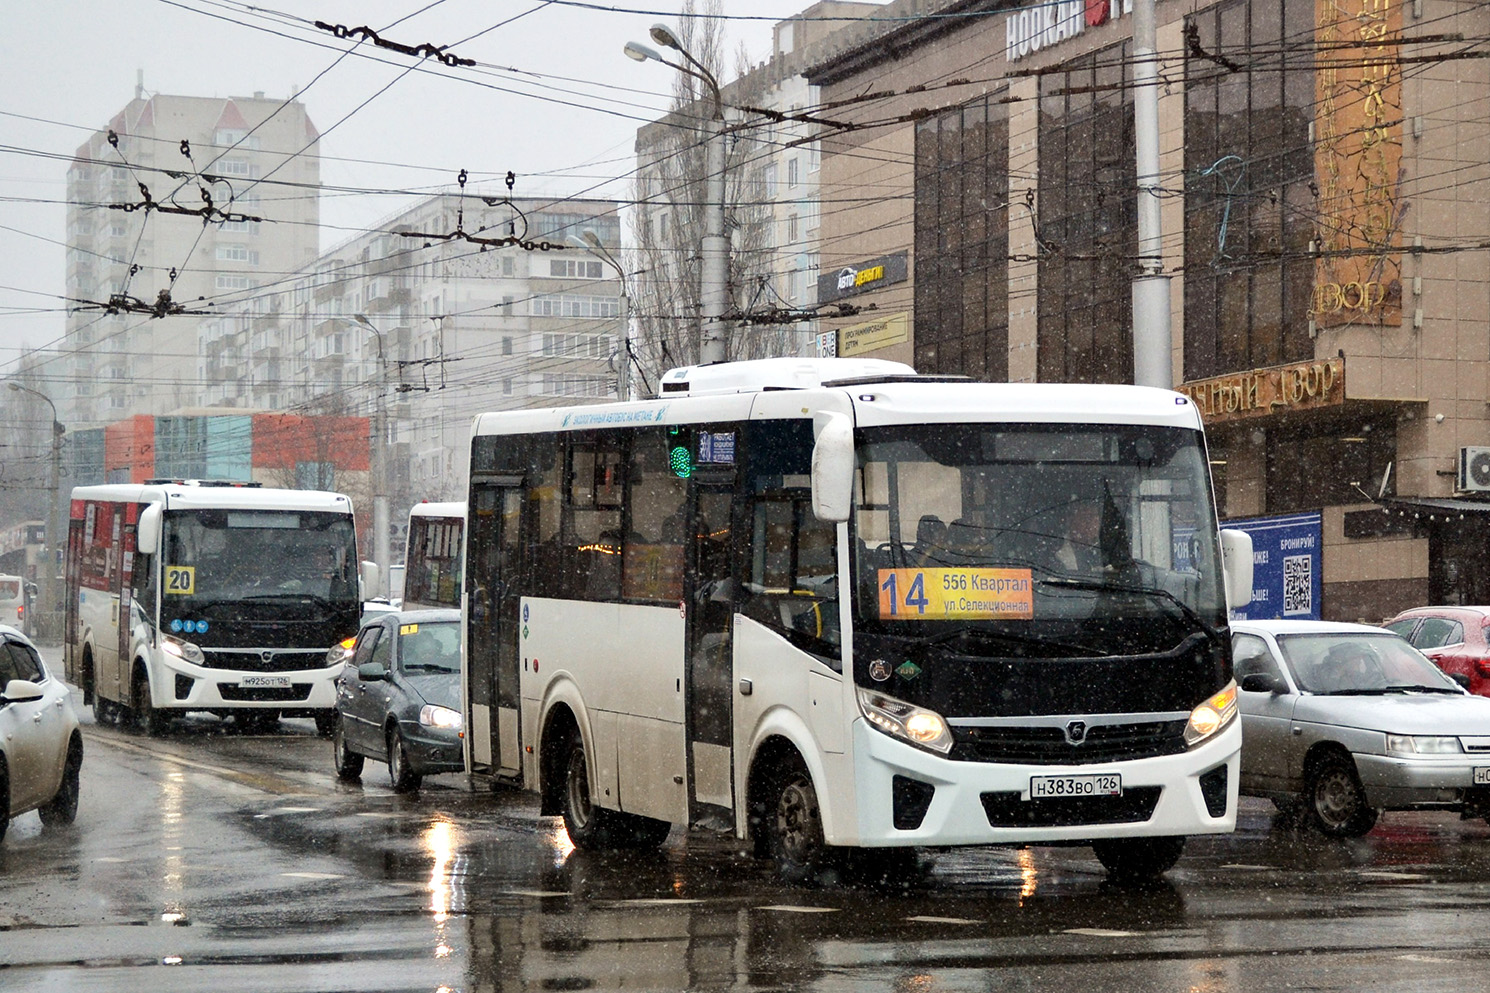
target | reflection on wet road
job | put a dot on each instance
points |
(224, 862)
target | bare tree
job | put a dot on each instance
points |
(669, 222)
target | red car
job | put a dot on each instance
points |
(1457, 639)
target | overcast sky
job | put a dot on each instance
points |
(564, 119)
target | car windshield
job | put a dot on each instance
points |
(429, 647)
(1360, 663)
(1042, 532)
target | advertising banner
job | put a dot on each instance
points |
(1287, 556)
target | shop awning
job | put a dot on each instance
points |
(1443, 508)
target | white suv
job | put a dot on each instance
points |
(41, 748)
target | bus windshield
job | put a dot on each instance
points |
(1035, 539)
(213, 557)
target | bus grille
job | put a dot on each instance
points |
(279, 660)
(1008, 810)
(263, 694)
(1048, 745)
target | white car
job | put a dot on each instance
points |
(41, 748)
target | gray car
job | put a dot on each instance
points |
(398, 698)
(1343, 721)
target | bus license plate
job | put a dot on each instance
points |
(265, 682)
(1101, 784)
(1482, 775)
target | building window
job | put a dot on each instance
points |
(237, 253)
(962, 241)
(507, 345)
(575, 269)
(233, 282)
(1249, 168)
(234, 167)
(574, 305)
(1088, 222)
(792, 177)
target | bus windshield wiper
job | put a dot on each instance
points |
(1018, 639)
(319, 601)
(1150, 591)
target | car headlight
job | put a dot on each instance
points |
(341, 651)
(439, 717)
(1211, 716)
(1422, 744)
(184, 650)
(899, 719)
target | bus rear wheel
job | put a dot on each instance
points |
(1138, 859)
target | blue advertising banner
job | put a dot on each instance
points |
(1287, 560)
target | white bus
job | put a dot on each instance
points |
(432, 558)
(839, 608)
(187, 595)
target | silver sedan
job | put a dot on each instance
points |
(1343, 721)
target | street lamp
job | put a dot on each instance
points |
(714, 250)
(55, 540)
(381, 552)
(590, 242)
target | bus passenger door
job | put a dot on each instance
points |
(495, 588)
(710, 596)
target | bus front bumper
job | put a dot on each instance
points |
(936, 801)
(180, 685)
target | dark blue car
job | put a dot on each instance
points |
(398, 698)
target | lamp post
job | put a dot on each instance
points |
(713, 290)
(55, 540)
(590, 242)
(381, 552)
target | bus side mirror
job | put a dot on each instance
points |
(367, 572)
(1236, 566)
(833, 468)
(147, 531)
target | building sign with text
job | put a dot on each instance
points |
(1275, 390)
(873, 335)
(1287, 556)
(1357, 159)
(855, 279)
(1042, 25)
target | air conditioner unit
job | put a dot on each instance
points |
(1474, 469)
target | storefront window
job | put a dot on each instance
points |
(1249, 178)
(962, 241)
(1087, 218)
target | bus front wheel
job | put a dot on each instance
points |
(1138, 859)
(585, 822)
(151, 721)
(795, 824)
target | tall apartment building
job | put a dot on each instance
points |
(430, 330)
(126, 363)
(773, 202)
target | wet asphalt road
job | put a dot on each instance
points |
(221, 861)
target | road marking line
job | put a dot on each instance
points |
(1100, 932)
(649, 902)
(537, 893)
(1382, 874)
(800, 910)
(313, 875)
(943, 920)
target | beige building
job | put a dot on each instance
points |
(245, 153)
(1326, 206)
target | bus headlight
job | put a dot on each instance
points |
(184, 650)
(899, 719)
(341, 651)
(439, 717)
(1211, 716)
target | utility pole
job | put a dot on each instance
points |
(381, 551)
(590, 242)
(1151, 332)
(56, 530)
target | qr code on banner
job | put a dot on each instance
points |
(1298, 585)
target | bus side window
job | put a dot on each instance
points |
(655, 547)
(142, 582)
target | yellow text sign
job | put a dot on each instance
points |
(956, 594)
(181, 580)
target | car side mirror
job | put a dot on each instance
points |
(1461, 678)
(372, 672)
(21, 690)
(1261, 682)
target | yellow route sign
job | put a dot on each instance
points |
(956, 594)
